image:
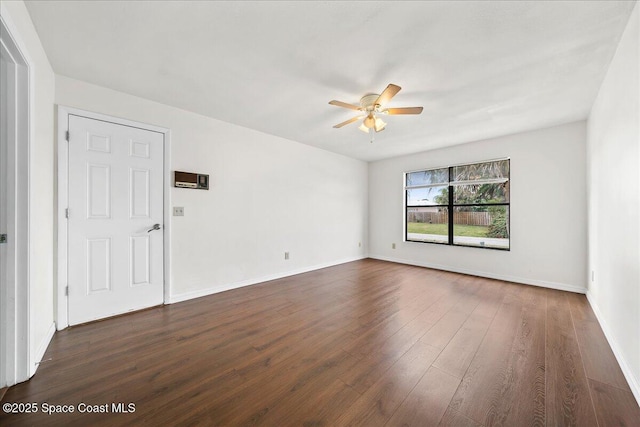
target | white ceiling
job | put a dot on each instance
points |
(480, 69)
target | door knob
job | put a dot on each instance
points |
(155, 227)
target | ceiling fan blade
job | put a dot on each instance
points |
(405, 110)
(344, 105)
(339, 125)
(386, 95)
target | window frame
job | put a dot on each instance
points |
(451, 205)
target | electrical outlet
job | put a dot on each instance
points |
(359, 244)
(393, 246)
(593, 276)
(178, 211)
(286, 255)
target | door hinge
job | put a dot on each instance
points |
(67, 136)
(66, 213)
(66, 291)
(3, 238)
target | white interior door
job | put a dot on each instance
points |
(115, 199)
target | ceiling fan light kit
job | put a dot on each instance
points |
(372, 104)
(379, 125)
(370, 121)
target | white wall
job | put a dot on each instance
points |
(267, 195)
(614, 203)
(41, 180)
(548, 209)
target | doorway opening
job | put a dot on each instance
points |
(15, 363)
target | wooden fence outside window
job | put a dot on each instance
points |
(461, 218)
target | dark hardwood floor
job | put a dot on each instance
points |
(368, 343)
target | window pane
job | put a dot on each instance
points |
(434, 176)
(488, 170)
(481, 193)
(428, 224)
(428, 196)
(483, 226)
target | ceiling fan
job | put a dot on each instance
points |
(371, 105)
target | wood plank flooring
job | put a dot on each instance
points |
(367, 343)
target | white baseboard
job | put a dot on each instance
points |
(626, 370)
(226, 287)
(42, 347)
(541, 283)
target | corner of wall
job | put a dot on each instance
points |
(38, 355)
(615, 347)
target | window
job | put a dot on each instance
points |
(464, 205)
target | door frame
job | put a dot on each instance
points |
(62, 299)
(17, 363)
